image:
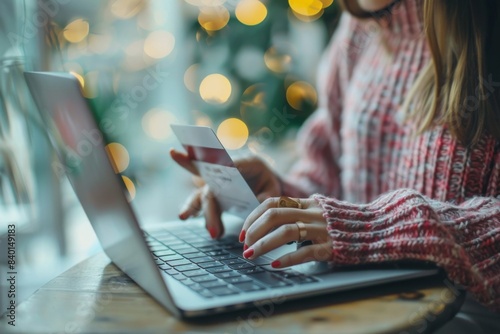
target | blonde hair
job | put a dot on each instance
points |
(460, 87)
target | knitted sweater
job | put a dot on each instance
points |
(389, 194)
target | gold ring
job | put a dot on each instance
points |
(302, 231)
(287, 202)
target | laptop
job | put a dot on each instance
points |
(176, 262)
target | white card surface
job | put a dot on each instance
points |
(217, 169)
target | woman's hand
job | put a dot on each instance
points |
(271, 225)
(261, 179)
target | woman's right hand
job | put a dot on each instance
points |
(259, 176)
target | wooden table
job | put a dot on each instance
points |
(96, 297)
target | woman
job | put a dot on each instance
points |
(402, 159)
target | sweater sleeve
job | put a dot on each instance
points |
(317, 168)
(404, 225)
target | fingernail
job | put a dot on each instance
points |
(183, 215)
(276, 264)
(248, 253)
(245, 247)
(242, 235)
(212, 231)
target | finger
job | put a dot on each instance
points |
(270, 203)
(283, 235)
(318, 252)
(192, 206)
(274, 218)
(184, 161)
(212, 214)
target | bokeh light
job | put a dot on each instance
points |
(91, 80)
(79, 77)
(300, 93)
(125, 9)
(215, 89)
(119, 156)
(253, 103)
(213, 18)
(130, 187)
(250, 12)
(76, 31)
(306, 7)
(156, 123)
(309, 10)
(277, 61)
(233, 133)
(190, 78)
(159, 44)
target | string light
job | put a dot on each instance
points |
(76, 31)
(233, 133)
(119, 156)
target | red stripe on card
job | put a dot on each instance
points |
(210, 155)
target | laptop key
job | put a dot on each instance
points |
(166, 258)
(164, 252)
(202, 259)
(179, 262)
(179, 276)
(213, 284)
(248, 286)
(217, 253)
(227, 274)
(170, 271)
(224, 257)
(303, 279)
(233, 261)
(193, 255)
(187, 267)
(205, 293)
(239, 266)
(164, 266)
(220, 269)
(237, 279)
(207, 265)
(189, 282)
(188, 250)
(269, 279)
(180, 248)
(157, 248)
(195, 286)
(210, 248)
(250, 271)
(192, 273)
(224, 291)
(205, 278)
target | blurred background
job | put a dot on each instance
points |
(246, 68)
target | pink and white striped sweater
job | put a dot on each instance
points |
(389, 194)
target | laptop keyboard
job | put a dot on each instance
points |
(214, 267)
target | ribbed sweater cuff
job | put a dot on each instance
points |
(403, 225)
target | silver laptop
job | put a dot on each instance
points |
(176, 262)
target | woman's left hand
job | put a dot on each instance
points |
(280, 220)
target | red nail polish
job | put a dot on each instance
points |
(245, 247)
(248, 253)
(242, 235)
(182, 216)
(212, 231)
(276, 264)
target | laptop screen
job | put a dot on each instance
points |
(80, 147)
